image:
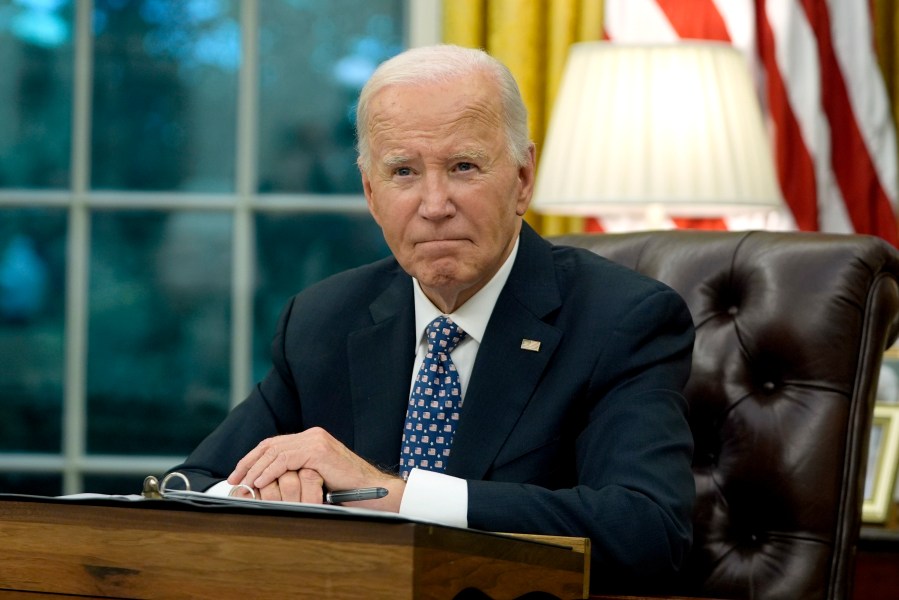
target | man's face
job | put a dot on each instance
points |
(442, 185)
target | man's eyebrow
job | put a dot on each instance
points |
(472, 154)
(395, 160)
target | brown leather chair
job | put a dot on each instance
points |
(790, 332)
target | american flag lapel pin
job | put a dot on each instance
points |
(530, 345)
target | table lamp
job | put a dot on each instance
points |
(650, 132)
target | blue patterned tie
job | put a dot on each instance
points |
(434, 402)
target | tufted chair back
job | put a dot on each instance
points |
(790, 331)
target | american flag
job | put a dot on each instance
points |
(820, 86)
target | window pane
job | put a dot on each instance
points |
(32, 313)
(115, 484)
(159, 334)
(30, 483)
(314, 58)
(35, 93)
(296, 250)
(165, 89)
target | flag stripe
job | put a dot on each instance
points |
(795, 61)
(739, 18)
(850, 161)
(695, 19)
(867, 90)
(638, 21)
(795, 168)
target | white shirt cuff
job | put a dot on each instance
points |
(222, 488)
(437, 497)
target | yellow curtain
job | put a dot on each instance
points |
(886, 24)
(532, 38)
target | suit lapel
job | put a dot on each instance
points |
(380, 358)
(505, 374)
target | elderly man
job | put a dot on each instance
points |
(482, 376)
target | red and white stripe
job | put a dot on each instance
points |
(828, 110)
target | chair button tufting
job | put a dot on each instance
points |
(732, 311)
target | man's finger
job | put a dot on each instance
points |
(312, 484)
(243, 466)
(271, 492)
(244, 492)
(290, 486)
(261, 458)
(275, 462)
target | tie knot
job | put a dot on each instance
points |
(444, 335)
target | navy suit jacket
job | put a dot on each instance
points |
(587, 436)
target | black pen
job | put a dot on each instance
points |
(372, 493)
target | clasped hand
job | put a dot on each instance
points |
(299, 467)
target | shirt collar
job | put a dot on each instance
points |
(472, 316)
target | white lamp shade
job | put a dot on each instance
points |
(675, 125)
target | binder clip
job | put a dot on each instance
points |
(156, 490)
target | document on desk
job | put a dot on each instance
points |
(200, 499)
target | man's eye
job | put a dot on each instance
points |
(403, 171)
(465, 166)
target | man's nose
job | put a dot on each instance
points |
(436, 199)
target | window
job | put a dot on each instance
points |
(171, 172)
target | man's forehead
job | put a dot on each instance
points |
(459, 97)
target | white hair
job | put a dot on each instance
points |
(444, 62)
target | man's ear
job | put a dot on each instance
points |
(369, 195)
(526, 176)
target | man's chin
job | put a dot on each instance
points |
(444, 279)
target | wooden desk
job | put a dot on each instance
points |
(155, 550)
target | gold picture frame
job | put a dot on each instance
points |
(883, 462)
